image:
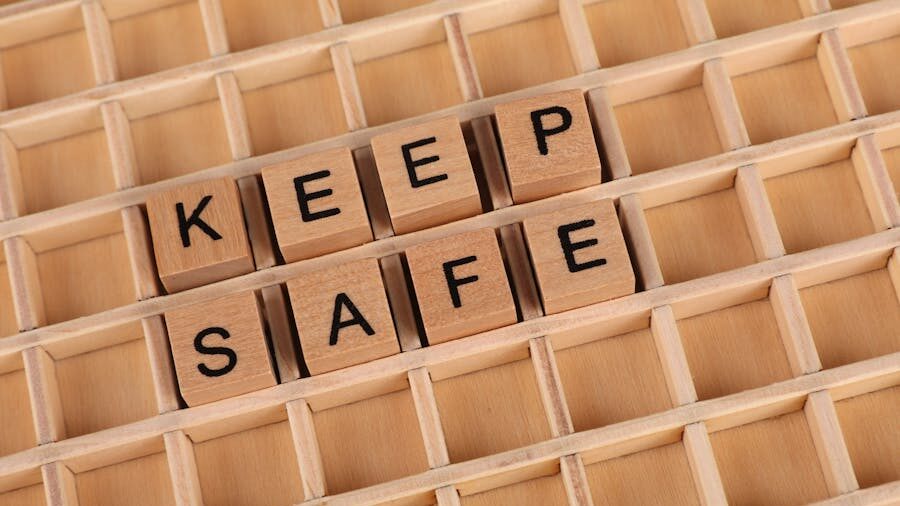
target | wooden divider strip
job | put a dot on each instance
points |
(521, 273)
(429, 418)
(724, 105)
(839, 77)
(140, 253)
(697, 23)
(875, 182)
(262, 244)
(880, 495)
(793, 326)
(575, 480)
(550, 386)
(100, 43)
(121, 145)
(162, 370)
(447, 496)
(278, 319)
(463, 62)
(640, 243)
(814, 7)
(330, 10)
(214, 27)
(183, 469)
(306, 445)
(829, 442)
(43, 393)
(578, 35)
(491, 162)
(59, 485)
(400, 300)
(671, 356)
(25, 283)
(606, 129)
(12, 197)
(235, 115)
(757, 211)
(894, 270)
(348, 86)
(700, 456)
(373, 195)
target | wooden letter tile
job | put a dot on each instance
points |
(316, 204)
(548, 144)
(198, 234)
(219, 349)
(461, 285)
(579, 256)
(426, 175)
(342, 315)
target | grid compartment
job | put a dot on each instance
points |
(142, 481)
(658, 476)
(733, 17)
(491, 410)
(892, 161)
(877, 75)
(613, 379)
(629, 30)
(547, 491)
(870, 426)
(252, 24)
(16, 427)
(32, 495)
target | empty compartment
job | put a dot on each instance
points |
(104, 379)
(370, 441)
(789, 97)
(406, 78)
(523, 53)
(669, 128)
(819, 206)
(254, 466)
(734, 349)
(733, 17)
(544, 490)
(44, 56)
(877, 72)
(83, 268)
(772, 461)
(24, 489)
(63, 160)
(359, 10)
(252, 24)
(870, 426)
(613, 379)
(138, 476)
(491, 410)
(174, 31)
(854, 318)
(630, 30)
(16, 426)
(8, 324)
(292, 103)
(164, 131)
(689, 236)
(842, 4)
(892, 161)
(657, 476)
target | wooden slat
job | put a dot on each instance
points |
(100, 43)
(724, 106)
(671, 356)
(697, 23)
(351, 98)
(183, 469)
(400, 299)
(575, 480)
(491, 162)
(700, 456)
(306, 446)
(235, 116)
(605, 123)
(283, 340)
(894, 270)
(43, 391)
(59, 485)
(578, 34)
(121, 145)
(447, 496)
(25, 283)
(370, 184)
(330, 10)
(758, 213)
(422, 392)
(829, 442)
(793, 326)
(881, 495)
(140, 253)
(512, 242)
(463, 62)
(262, 244)
(162, 370)
(12, 197)
(875, 182)
(550, 386)
(640, 243)
(214, 26)
(839, 77)
(814, 7)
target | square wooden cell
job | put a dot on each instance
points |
(359, 10)
(16, 426)
(106, 388)
(370, 441)
(67, 170)
(252, 467)
(252, 24)
(613, 379)
(546, 491)
(734, 349)
(521, 55)
(854, 318)
(784, 100)
(892, 161)
(86, 277)
(175, 34)
(407, 84)
(870, 426)
(630, 30)
(668, 130)
(294, 112)
(49, 67)
(32, 495)
(143, 481)
(771, 461)
(170, 144)
(659, 476)
(8, 324)
(733, 17)
(689, 236)
(819, 206)
(877, 73)
(491, 410)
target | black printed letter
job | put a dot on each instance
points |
(215, 350)
(570, 247)
(541, 133)
(453, 283)
(184, 225)
(412, 164)
(337, 324)
(303, 197)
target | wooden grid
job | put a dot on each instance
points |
(742, 167)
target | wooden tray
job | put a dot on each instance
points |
(753, 151)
